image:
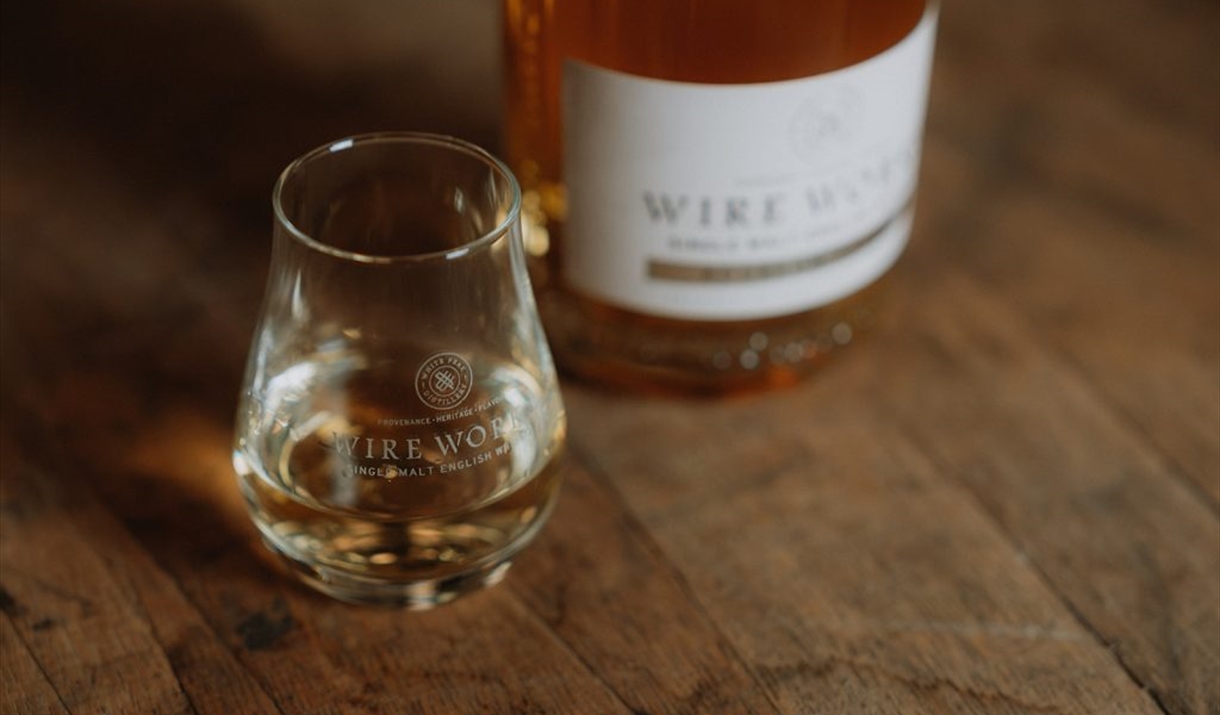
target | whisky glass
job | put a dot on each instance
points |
(400, 429)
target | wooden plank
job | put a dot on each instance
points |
(848, 576)
(1081, 201)
(1151, 355)
(600, 583)
(50, 519)
(24, 688)
(91, 642)
(1081, 184)
(485, 654)
(1078, 491)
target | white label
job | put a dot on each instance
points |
(723, 202)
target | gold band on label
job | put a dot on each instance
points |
(661, 270)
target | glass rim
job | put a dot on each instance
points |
(502, 227)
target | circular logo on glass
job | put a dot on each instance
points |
(443, 381)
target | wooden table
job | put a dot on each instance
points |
(1008, 501)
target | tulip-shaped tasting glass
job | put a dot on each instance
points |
(400, 428)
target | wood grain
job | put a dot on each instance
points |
(1093, 209)
(1088, 316)
(23, 684)
(600, 583)
(1083, 496)
(851, 577)
(1006, 501)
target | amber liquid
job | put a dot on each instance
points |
(704, 41)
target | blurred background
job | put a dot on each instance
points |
(221, 94)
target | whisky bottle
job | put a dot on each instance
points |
(713, 191)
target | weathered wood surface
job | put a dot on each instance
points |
(1008, 501)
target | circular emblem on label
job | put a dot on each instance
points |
(443, 381)
(825, 124)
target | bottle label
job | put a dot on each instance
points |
(723, 202)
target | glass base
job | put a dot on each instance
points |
(416, 563)
(419, 595)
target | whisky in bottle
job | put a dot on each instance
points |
(713, 192)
